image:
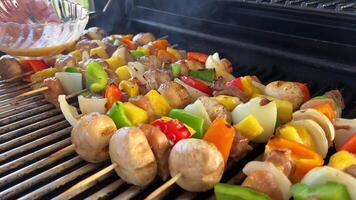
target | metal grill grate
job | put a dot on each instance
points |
(37, 161)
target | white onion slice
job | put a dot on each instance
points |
(70, 112)
(89, 105)
(283, 182)
(266, 115)
(198, 109)
(214, 62)
(194, 93)
(136, 70)
(71, 82)
(320, 175)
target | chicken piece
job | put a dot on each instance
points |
(177, 95)
(143, 38)
(9, 67)
(351, 170)
(239, 147)
(215, 109)
(263, 181)
(160, 146)
(54, 90)
(93, 33)
(132, 154)
(65, 61)
(220, 88)
(86, 45)
(285, 90)
(200, 163)
(154, 78)
(282, 160)
(144, 103)
(150, 62)
(227, 64)
(91, 136)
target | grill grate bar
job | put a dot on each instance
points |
(32, 157)
(65, 179)
(15, 88)
(15, 101)
(131, 192)
(22, 108)
(10, 85)
(20, 103)
(10, 192)
(34, 135)
(109, 189)
(13, 94)
(37, 165)
(28, 146)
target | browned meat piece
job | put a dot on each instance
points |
(184, 70)
(177, 95)
(9, 67)
(86, 45)
(154, 78)
(263, 181)
(286, 90)
(337, 97)
(93, 33)
(54, 90)
(351, 170)
(143, 38)
(151, 62)
(64, 61)
(215, 109)
(160, 146)
(227, 64)
(144, 103)
(191, 64)
(109, 47)
(282, 160)
(239, 146)
(220, 88)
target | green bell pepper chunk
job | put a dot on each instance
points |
(137, 54)
(321, 97)
(203, 74)
(236, 192)
(72, 69)
(326, 191)
(117, 114)
(197, 123)
(96, 77)
(176, 69)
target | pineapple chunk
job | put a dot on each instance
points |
(249, 127)
(342, 160)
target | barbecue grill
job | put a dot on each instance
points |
(310, 41)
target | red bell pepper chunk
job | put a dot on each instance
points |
(235, 83)
(37, 65)
(350, 145)
(304, 89)
(174, 129)
(113, 94)
(197, 56)
(197, 84)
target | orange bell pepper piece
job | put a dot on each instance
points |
(327, 109)
(304, 158)
(221, 134)
(160, 44)
(113, 94)
(130, 45)
(161, 54)
(197, 56)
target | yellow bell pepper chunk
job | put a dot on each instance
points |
(159, 103)
(342, 160)
(174, 53)
(249, 127)
(135, 114)
(131, 88)
(228, 101)
(115, 62)
(144, 50)
(190, 129)
(123, 73)
(297, 134)
(99, 51)
(77, 55)
(41, 75)
(249, 89)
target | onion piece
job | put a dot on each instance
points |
(344, 130)
(283, 182)
(71, 82)
(198, 109)
(320, 175)
(194, 93)
(70, 112)
(136, 70)
(89, 105)
(266, 115)
(214, 62)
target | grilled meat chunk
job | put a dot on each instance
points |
(286, 90)
(281, 159)
(54, 90)
(93, 33)
(239, 146)
(221, 89)
(177, 95)
(144, 103)
(215, 109)
(9, 67)
(143, 38)
(65, 60)
(150, 62)
(351, 170)
(154, 78)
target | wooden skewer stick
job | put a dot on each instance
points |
(163, 187)
(174, 46)
(16, 77)
(29, 93)
(163, 37)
